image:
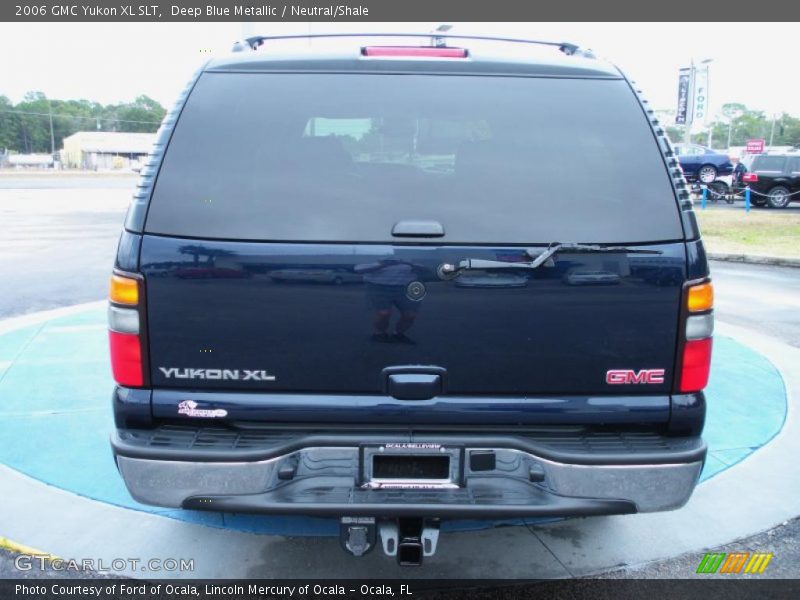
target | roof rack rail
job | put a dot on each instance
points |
(252, 43)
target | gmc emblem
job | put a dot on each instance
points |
(625, 376)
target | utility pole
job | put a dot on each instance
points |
(52, 136)
(772, 131)
(732, 115)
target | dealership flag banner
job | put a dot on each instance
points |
(682, 115)
(700, 103)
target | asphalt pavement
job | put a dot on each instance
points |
(21, 181)
(793, 208)
(759, 297)
(57, 245)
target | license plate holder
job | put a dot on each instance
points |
(411, 465)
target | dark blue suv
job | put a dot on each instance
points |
(504, 346)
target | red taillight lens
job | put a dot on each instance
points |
(413, 52)
(750, 177)
(696, 365)
(126, 358)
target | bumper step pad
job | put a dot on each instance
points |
(482, 497)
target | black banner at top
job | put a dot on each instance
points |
(396, 10)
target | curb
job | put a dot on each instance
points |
(18, 321)
(755, 259)
(14, 547)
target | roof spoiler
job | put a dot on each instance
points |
(253, 43)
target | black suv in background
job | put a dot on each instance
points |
(774, 179)
(505, 346)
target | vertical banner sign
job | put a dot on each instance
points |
(681, 115)
(701, 95)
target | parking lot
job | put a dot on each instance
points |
(56, 251)
(54, 229)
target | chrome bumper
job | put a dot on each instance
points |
(325, 481)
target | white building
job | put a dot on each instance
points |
(21, 161)
(105, 150)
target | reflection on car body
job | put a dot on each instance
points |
(491, 280)
(591, 278)
(332, 276)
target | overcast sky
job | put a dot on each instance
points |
(113, 62)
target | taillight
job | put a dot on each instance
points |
(700, 297)
(124, 331)
(750, 177)
(413, 52)
(695, 365)
(123, 290)
(695, 361)
(126, 359)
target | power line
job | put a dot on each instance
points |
(66, 116)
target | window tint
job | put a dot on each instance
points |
(769, 163)
(689, 150)
(333, 157)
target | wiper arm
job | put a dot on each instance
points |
(538, 258)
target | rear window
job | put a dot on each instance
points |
(769, 163)
(335, 157)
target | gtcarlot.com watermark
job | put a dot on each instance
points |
(28, 562)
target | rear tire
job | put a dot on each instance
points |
(778, 197)
(717, 190)
(707, 174)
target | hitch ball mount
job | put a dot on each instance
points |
(410, 539)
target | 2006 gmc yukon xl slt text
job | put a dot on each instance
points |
(396, 284)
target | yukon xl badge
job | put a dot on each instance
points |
(189, 408)
(627, 376)
(216, 374)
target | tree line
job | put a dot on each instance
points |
(25, 126)
(741, 124)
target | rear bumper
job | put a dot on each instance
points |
(558, 474)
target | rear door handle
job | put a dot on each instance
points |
(414, 382)
(414, 386)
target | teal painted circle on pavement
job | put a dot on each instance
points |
(55, 393)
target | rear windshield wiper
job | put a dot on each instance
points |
(537, 258)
